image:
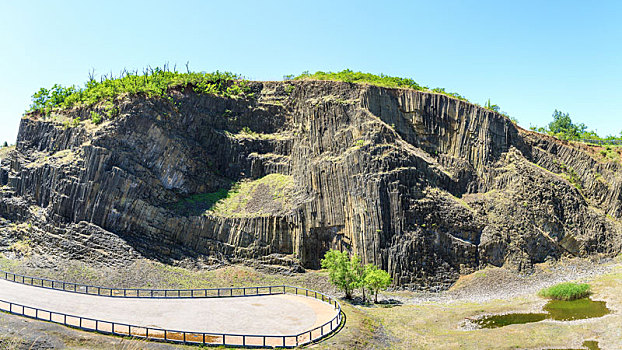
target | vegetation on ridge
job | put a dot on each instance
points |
(563, 128)
(350, 76)
(152, 82)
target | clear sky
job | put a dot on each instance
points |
(529, 57)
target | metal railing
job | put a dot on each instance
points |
(601, 142)
(167, 335)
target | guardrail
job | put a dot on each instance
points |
(601, 142)
(167, 335)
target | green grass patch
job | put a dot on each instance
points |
(267, 195)
(199, 203)
(566, 291)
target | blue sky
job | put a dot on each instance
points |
(529, 57)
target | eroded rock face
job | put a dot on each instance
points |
(423, 185)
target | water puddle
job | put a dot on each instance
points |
(588, 344)
(558, 310)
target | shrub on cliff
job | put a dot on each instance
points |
(96, 118)
(566, 291)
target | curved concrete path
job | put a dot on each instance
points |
(283, 314)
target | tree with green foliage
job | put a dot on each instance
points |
(563, 128)
(562, 125)
(490, 106)
(5, 144)
(343, 270)
(376, 279)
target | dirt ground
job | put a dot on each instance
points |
(406, 320)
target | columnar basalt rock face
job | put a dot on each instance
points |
(424, 185)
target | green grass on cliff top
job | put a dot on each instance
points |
(155, 82)
(350, 76)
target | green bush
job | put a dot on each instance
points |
(566, 291)
(96, 118)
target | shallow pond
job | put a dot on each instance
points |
(555, 310)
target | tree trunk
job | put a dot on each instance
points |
(376, 297)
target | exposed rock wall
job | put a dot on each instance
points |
(423, 185)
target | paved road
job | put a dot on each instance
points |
(267, 315)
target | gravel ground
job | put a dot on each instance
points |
(500, 283)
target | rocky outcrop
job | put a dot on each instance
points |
(424, 185)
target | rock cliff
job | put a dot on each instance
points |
(424, 185)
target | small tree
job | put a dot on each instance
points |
(490, 106)
(5, 144)
(376, 279)
(343, 271)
